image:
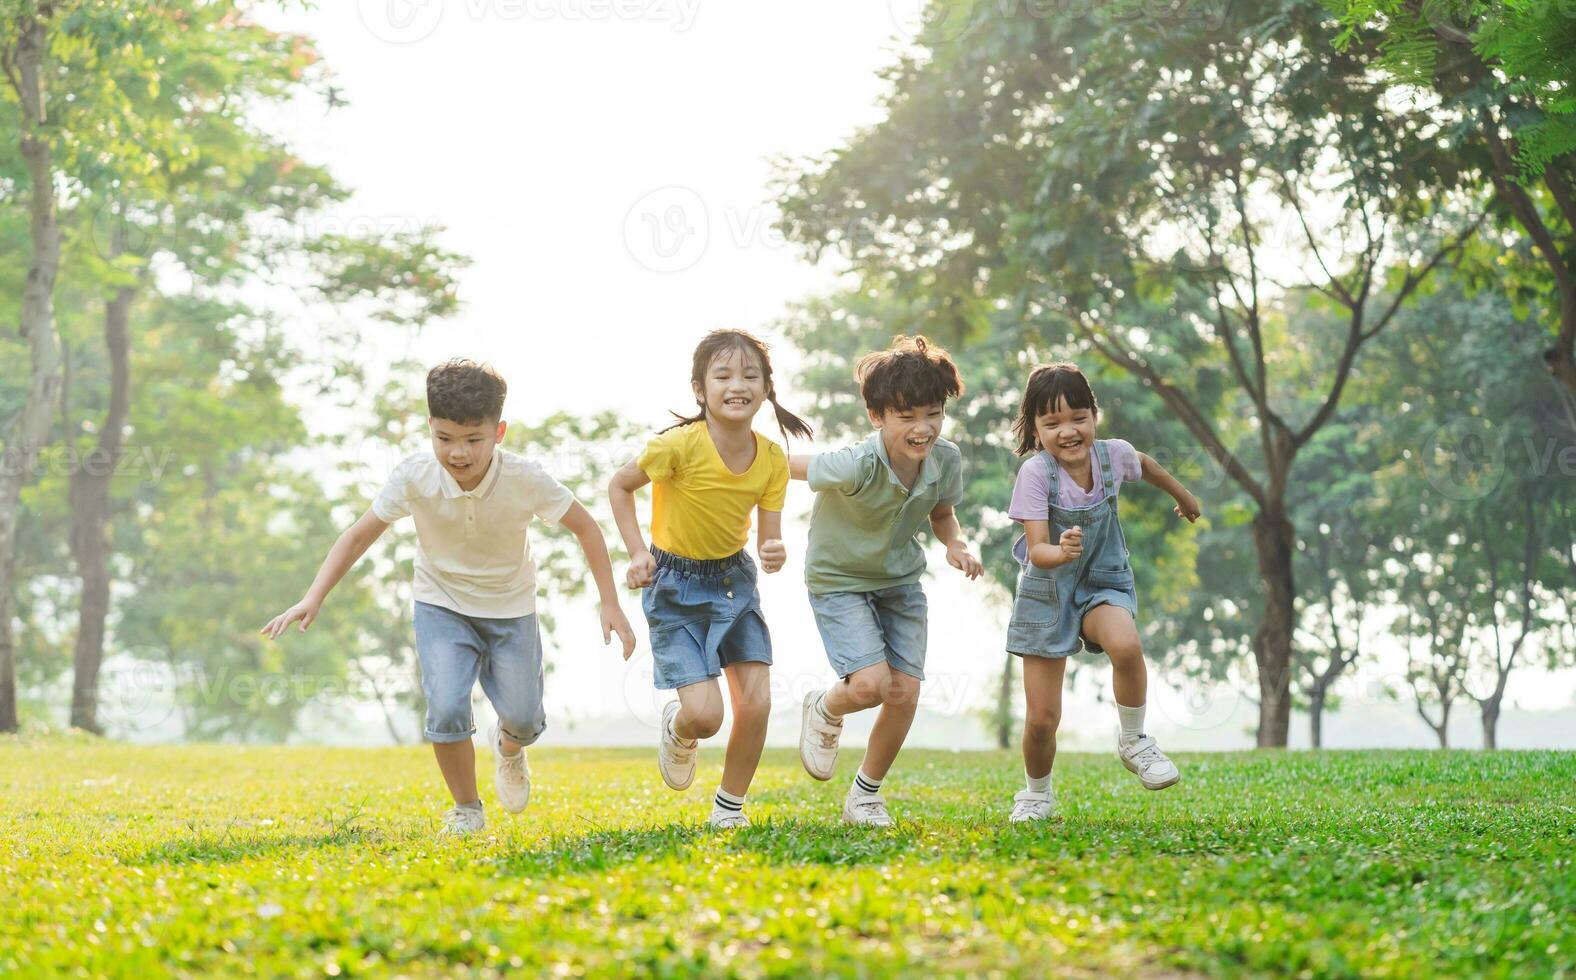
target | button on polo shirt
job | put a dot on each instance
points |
(864, 524)
(472, 551)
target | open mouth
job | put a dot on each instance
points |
(739, 402)
(914, 443)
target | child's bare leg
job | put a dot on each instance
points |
(1042, 690)
(898, 704)
(700, 710)
(457, 762)
(1112, 627)
(749, 691)
(864, 688)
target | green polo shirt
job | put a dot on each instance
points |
(864, 525)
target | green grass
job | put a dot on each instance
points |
(298, 861)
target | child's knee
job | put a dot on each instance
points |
(901, 689)
(525, 725)
(1042, 720)
(867, 687)
(704, 721)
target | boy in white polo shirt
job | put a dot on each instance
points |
(475, 582)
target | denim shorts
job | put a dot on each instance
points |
(862, 629)
(703, 616)
(506, 654)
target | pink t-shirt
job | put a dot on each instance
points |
(1030, 493)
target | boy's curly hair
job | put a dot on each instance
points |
(911, 373)
(465, 391)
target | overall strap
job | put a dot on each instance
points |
(1050, 494)
(1102, 450)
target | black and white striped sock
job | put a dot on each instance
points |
(726, 802)
(864, 785)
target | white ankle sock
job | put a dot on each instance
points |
(820, 705)
(726, 802)
(686, 742)
(1132, 722)
(1038, 784)
(863, 785)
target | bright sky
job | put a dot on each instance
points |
(604, 163)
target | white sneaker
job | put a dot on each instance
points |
(674, 758)
(866, 811)
(818, 738)
(1029, 806)
(726, 820)
(1144, 758)
(511, 775)
(462, 821)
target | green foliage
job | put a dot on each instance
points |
(304, 861)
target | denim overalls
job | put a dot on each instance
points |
(1048, 612)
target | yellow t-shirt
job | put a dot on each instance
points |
(699, 508)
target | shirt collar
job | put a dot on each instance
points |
(451, 486)
(927, 467)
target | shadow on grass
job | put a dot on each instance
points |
(229, 846)
(773, 842)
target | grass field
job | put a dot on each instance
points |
(216, 860)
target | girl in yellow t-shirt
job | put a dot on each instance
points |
(708, 471)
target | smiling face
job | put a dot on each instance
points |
(465, 448)
(734, 388)
(910, 433)
(1067, 433)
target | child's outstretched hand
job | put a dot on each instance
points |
(642, 570)
(1071, 544)
(614, 621)
(306, 611)
(958, 557)
(773, 554)
(1187, 507)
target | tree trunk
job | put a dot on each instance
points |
(1316, 717)
(38, 327)
(1274, 540)
(90, 506)
(1004, 707)
(1490, 709)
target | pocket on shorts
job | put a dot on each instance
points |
(1119, 577)
(1036, 602)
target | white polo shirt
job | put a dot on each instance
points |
(472, 553)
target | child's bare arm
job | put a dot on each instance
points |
(352, 544)
(621, 495)
(944, 524)
(1156, 476)
(799, 467)
(1043, 553)
(769, 540)
(579, 521)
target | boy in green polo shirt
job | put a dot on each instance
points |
(864, 561)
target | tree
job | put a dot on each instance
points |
(1188, 199)
(1505, 74)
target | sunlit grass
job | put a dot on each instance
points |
(298, 861)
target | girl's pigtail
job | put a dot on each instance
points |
(788, 422)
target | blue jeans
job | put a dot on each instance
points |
(703, 616)
(862, 629)
(506, 654)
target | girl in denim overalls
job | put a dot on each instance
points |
(1076, 588)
